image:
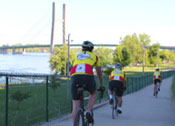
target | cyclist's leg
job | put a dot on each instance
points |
(119, 93)
(154, 89)
(92, 99)
(159, 85)
(75, 106)
(91, 88)
(75, 100)
(110, 91)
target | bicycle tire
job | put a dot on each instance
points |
(113, 111)
(116, 104)
(156, 93)
(79, 119)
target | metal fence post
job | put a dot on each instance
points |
(47, 99)
(6, 103)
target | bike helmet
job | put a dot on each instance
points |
(118, 66)
(87, 46)
(157, 69)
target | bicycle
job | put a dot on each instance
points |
(157, 89)
(80, 117)
(114, 105)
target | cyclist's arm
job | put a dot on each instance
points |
(99, 75)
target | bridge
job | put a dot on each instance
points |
(4, 49)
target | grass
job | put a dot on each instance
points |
(173, 88)
(33, 109)
(137, 70)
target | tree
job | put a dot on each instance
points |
(19, 97)
(58, 60)
(134, 48)
(153, 54)
(105, 55)
(163, 55)
(121, 55)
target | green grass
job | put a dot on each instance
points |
(33, 109)
(173, 88)
(137, 70)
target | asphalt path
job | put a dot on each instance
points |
(139, 109)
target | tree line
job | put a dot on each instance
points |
(132, 50)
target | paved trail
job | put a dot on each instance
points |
(139, 109)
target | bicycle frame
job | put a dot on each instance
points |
(81, 113)
(114, 105)
(156, 86)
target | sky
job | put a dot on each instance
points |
(99, 21)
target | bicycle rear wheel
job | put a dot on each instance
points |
(116, 103)
(156, 93)
(79, 119)
(114, 107)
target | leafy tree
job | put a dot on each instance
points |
(134, 48)
(105, 55)
(135, 45)
(58, 60)
(144, 41)
(54, 84)
(121, 55)
(19, 97)
(163, 55)
(153, 54)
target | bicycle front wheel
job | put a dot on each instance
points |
(79, 118)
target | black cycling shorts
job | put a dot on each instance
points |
(118, 85)
(87, 80)
(156, 80)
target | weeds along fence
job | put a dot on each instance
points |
(27, 99)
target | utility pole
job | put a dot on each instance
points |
(64, 21)
(143, 61)
(52, 30)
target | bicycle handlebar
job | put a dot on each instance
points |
(101, 89)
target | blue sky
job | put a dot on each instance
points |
(100, 21)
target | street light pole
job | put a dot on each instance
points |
(68, 46)
(143, 62)
(68, 55)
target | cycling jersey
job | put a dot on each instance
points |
(118, 75)
(157, 75)
(84, 63)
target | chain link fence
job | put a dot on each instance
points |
(32, 98)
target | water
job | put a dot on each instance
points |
(27, 63)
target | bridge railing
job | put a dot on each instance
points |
(27, 99)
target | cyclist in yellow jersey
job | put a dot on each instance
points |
(157, 79)
(82, 73)
(117, 79)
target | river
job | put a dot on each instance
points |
(25, 63)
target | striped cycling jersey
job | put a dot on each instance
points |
(117, 74)
(84, 63)
(157, 75)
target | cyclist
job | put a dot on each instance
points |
(157, 79)
(117, 80)
(82, 73)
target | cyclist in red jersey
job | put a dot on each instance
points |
(117, 80)
(82, 73)
(157, 79)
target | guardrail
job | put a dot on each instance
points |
(27, 99)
